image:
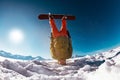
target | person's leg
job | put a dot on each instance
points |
(63, 29)
(54, 29)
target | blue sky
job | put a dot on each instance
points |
(96, 27)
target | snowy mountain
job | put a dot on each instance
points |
(20, 57)
(101, 66)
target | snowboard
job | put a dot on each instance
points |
(55, 16)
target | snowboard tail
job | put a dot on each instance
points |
(55, 16)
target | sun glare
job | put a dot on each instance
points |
(16, 36)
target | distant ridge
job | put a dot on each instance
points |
(20, 57)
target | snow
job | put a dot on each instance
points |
(110, 70)
(101, 66)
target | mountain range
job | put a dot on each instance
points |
(20, 57)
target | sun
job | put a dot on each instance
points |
(16, 36)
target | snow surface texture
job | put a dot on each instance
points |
(102, 66)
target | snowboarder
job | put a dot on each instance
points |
(61, 47)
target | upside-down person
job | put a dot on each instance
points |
(60, 46)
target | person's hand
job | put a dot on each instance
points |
(50, 16)
(64, 17)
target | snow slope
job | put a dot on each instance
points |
(101, 66)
